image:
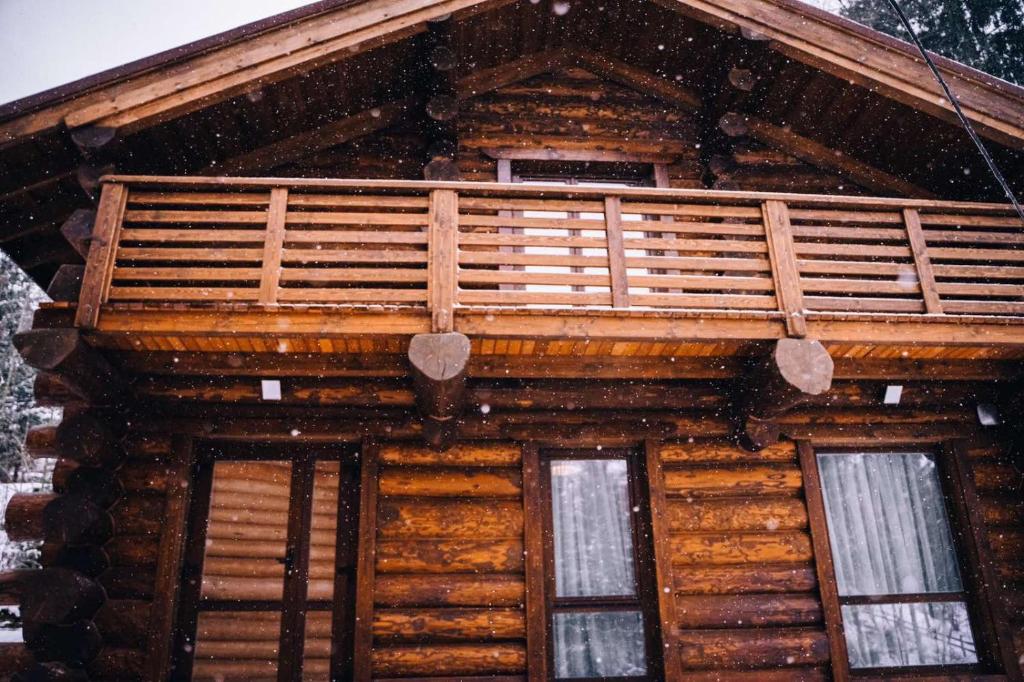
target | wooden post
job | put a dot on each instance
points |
(102, 254)
(366, 564)
(442, 276)
(533, 543)
(784, 269)
(616, 252)
(662, 560)
(173, 537)
(273, 245)
(439, 364)
(925, 274)
(823, 562)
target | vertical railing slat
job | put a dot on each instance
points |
(99, 269)
(273, 245)
(442, 258)
(616, 252)
(923, 263)
(785, 272)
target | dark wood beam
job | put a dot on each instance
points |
(795, 372)
(439, 363)
(63, 352)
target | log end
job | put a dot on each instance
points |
(805, 365)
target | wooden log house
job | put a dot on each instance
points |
(522, 340)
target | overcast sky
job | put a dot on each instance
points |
(44, 43)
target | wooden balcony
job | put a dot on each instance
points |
(214, 264)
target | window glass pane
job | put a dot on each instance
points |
(592, 527)
(887, 524)
(604, 644)
(247, 531)
(237, 646)
(891, 635)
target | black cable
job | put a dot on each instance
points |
(959, 112)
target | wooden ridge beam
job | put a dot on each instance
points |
(809, 151)
(638, 79)
(438, 363)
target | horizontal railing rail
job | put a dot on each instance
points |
(445, 246)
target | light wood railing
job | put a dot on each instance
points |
(445, 246)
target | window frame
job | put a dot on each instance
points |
(971, 551)
(646, 598)
(294, 602)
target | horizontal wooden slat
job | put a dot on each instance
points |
(353, 237)
(352, 295)
(353, 275)
(159, 235)
(187, 274)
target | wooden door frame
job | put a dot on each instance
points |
(294, 604)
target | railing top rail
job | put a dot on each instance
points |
(526, 189)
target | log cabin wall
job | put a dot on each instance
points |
(444, 590)
(573, 110)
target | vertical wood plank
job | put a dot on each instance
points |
(533, 542)
(296, 578)
(925, 274)
(784, 269)
(980, 575)
(823, 563)
(99, 268)
(662, 561)
(366, 564)
(273, 245)
(166, 594)
(616, 252)
(442, 284)
(345, 558)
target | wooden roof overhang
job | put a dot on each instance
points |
(827, 86)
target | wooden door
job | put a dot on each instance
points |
(269, 577)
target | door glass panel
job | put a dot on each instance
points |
(237, 645)
(324, 531)
(317, 654)
(592, 528)
(247, 531)
(602, 644)
(887, 524)
(891, 635)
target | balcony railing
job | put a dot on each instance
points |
(442, 247)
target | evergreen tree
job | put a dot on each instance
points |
(985, 34)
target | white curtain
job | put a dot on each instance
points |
(887, 524)
(594, 558)
(889, 531)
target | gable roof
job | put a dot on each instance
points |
(178, 81)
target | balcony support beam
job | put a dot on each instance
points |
(439, 363)
(793, 373)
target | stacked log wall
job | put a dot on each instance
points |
(449, 591)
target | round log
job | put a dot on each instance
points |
(77, 230)
(63, 351)
(75, 644)
(58, 596)
(442, 170)
(11, 583)
(99, 485)
(443, 58)
(442, 107)
(53, 390)
(50, 672)
(87, 439)
(41, 442)
(89, 138)
(742, 79)
(24, 517)
(734, 125)
(62, 471)
(90, 560)
(720, 164)
(442, 148)
(66, 284)
(439, 372)
(76, 519)
(124, 622)
(15, 660)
